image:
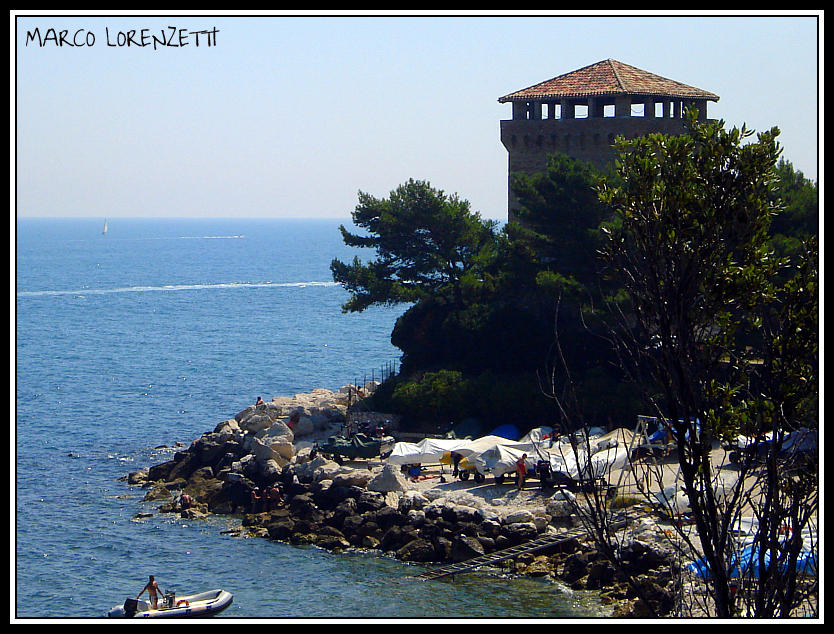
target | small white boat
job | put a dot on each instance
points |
(199, 605)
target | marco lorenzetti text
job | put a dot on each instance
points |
(142, 38)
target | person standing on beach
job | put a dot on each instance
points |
(521, 470)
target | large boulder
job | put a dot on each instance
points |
(304, 426)
(208, 448)
(161, 471)
(256, 418)
(389, 479)
(276, 449)
(314, 411)
(272, 443)
(317, 469)
(228, 427)
(412, 501)
(347, 477)
(516, 517)
(520, 532)
(277, 429)
(465, 547)
(419, 550)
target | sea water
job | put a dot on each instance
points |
(130, 342)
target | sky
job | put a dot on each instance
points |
(291, 115)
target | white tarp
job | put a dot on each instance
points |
(538, 435)
(427, 451)
(604, 461)
(479, 445)
(402, 451)
(576, 464)
(501, 459)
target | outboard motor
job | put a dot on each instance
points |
(131, 607)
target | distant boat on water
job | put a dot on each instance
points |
(104, 233)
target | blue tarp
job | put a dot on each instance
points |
(747, 564)
(658, 436)
(508, 431)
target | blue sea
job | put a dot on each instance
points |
(130, 342)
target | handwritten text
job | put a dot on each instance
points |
(143, 38)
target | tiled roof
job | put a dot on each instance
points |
(608, 77)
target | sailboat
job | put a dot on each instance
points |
(104, 233)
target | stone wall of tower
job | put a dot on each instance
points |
(529, 141)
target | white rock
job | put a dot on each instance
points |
(540, 522)
(304, 427)
(517, 517)
(559, 508)
(352, 477)
(416, 517)
(277, 449)
(277, 430)
(255, 422)
(488, 514)
(228, 426)
(389, 479)
(413, 500)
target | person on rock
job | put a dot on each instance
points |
(255, 499)
(275, 497)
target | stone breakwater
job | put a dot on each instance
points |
(371, 505)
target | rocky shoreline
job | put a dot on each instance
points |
(371, 505)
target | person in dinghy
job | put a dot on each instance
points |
(153, 591)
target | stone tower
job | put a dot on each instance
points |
(582, 112)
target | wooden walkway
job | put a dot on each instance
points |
(534, 545)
